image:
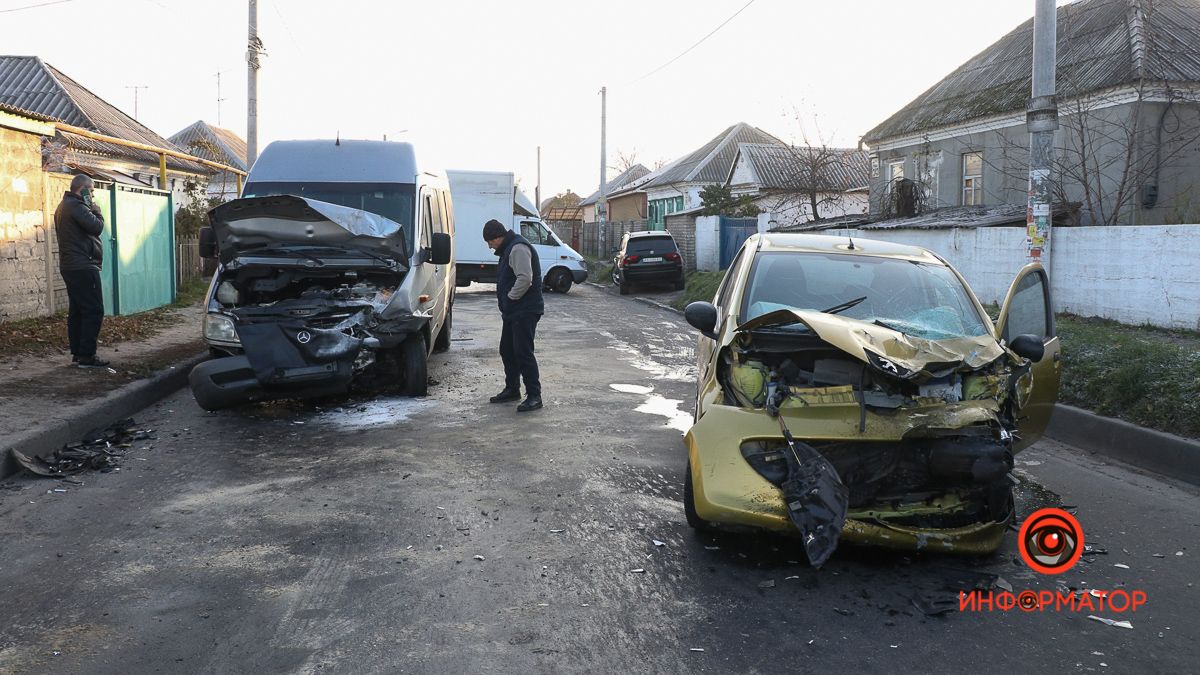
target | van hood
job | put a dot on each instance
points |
(900, 355)
(243, 225)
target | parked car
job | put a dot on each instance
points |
(336, 263)
(856, 390)
(647, 257)
(480, 196)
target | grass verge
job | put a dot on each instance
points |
(700, 286)
(48, 334)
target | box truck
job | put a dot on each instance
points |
(480, 196)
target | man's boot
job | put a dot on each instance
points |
(531, 403)
(506, 395)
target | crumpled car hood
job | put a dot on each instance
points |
(246, 224)
(859, 338)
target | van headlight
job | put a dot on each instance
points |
(220, 328)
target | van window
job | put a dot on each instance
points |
(447, 213)
(394, 201)
(426, 219)
(535, 233)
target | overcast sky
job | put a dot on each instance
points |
(479, 85)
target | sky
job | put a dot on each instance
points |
(480, 85)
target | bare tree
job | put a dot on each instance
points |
(625, 161)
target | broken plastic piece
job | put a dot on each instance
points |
(479, 557)
(658, 543)
(1110, 622)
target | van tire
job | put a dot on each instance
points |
(414, 365)
(442, 343)
(560, 281)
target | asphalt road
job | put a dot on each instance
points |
(343, 537)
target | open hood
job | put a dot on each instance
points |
(246, 224)
(862, 340)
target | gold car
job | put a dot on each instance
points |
(856, 390)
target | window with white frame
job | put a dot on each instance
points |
(972, 178)
(895, 171)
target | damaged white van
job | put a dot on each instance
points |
(336, 264)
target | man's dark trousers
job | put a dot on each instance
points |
(516, 350)
(86, 310)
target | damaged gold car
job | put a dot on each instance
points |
(856, 390)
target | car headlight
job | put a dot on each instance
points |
(220, 328)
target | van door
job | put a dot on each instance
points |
(543, 242)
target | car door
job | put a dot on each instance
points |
(1028, 310)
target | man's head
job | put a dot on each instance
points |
(493, 233)
(80, 183)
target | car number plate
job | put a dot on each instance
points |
(651, 259)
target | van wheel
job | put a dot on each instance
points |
(694, 520)
(415, 366)
(560, 281)
(442, 343)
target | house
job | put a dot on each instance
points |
(621, 209)
(677, 186)
(798, 184)
(209, 141)
(1128, 79)
(28, 83)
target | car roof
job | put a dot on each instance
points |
(820, 243)
(657, 233)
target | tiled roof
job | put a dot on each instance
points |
(212, 142)
(28, 83)
(711, 162)
(624, 178)
(1101, 44)
(782, 167)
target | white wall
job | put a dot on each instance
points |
(1135, 275)
(708, 243)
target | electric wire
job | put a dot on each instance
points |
(697, 44)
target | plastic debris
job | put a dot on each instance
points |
(479, 557)
(557, 531)
(99, 450)
(1121, 565)
(1110, 622)
(696, 649)
(1178, 552)
(791, 577)
(1158, 555)
(770, 583)
(658, 543)
(712, 548)
(1002, 583)
(638, 570)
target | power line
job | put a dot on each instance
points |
(698, 43)
(41, 4)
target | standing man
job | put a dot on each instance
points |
(78, 223)
(519, 292)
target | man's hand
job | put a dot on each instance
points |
(96, 211)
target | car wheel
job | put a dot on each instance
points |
(561, 281)
(442, 343)
(415, 365)
(689, 503)
(616, 279)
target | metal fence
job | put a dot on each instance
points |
(599, 240)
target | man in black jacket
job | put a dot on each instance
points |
(519, 293)
(78, 223)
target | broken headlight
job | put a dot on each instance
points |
(220, 328)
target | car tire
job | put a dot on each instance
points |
(694, 520)
(561, 280)
(414, 365)
(442, 343)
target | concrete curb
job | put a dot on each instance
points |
(101, 412)
(1156, 451)
(1163, 453)
(637, 298)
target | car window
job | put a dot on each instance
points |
(918, 299)
(532, 230)
(640, 245)
(724, 290)
(1027, 313)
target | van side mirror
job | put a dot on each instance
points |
(1028, 346)
(208, 242)
(703, 317)
(440, 249)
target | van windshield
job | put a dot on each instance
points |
(393, 201)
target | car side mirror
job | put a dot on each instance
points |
(440, 249)
(703, 317)
(1028, 346)
(208, 242)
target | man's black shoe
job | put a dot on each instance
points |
(506, 395)
(74, 358)
(531, 403)
(91, 362)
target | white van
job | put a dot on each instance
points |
(480, 196)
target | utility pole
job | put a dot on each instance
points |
(219, 99)
(537, 190)
(602, 203)
(253, 50)
(135, 88)
(1041, 118)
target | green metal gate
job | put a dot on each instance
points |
(139, 243)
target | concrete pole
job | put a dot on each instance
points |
(537, 190)
(1041, 118)
(602, 203)
(252, 50)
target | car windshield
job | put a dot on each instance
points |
(641, 245)
(393, 201)
(918, 299)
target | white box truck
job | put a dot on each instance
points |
(480, 196)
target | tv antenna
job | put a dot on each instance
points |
(135, 88)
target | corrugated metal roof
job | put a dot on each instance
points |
(29, 83)
(12, 109)
(711, 162)
(782, 167)
(1101, 44)
(945, 218)
(212, 142)
(624, 178)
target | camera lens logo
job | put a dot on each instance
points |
(1051, 541)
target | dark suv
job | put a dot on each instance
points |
(647, 257)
